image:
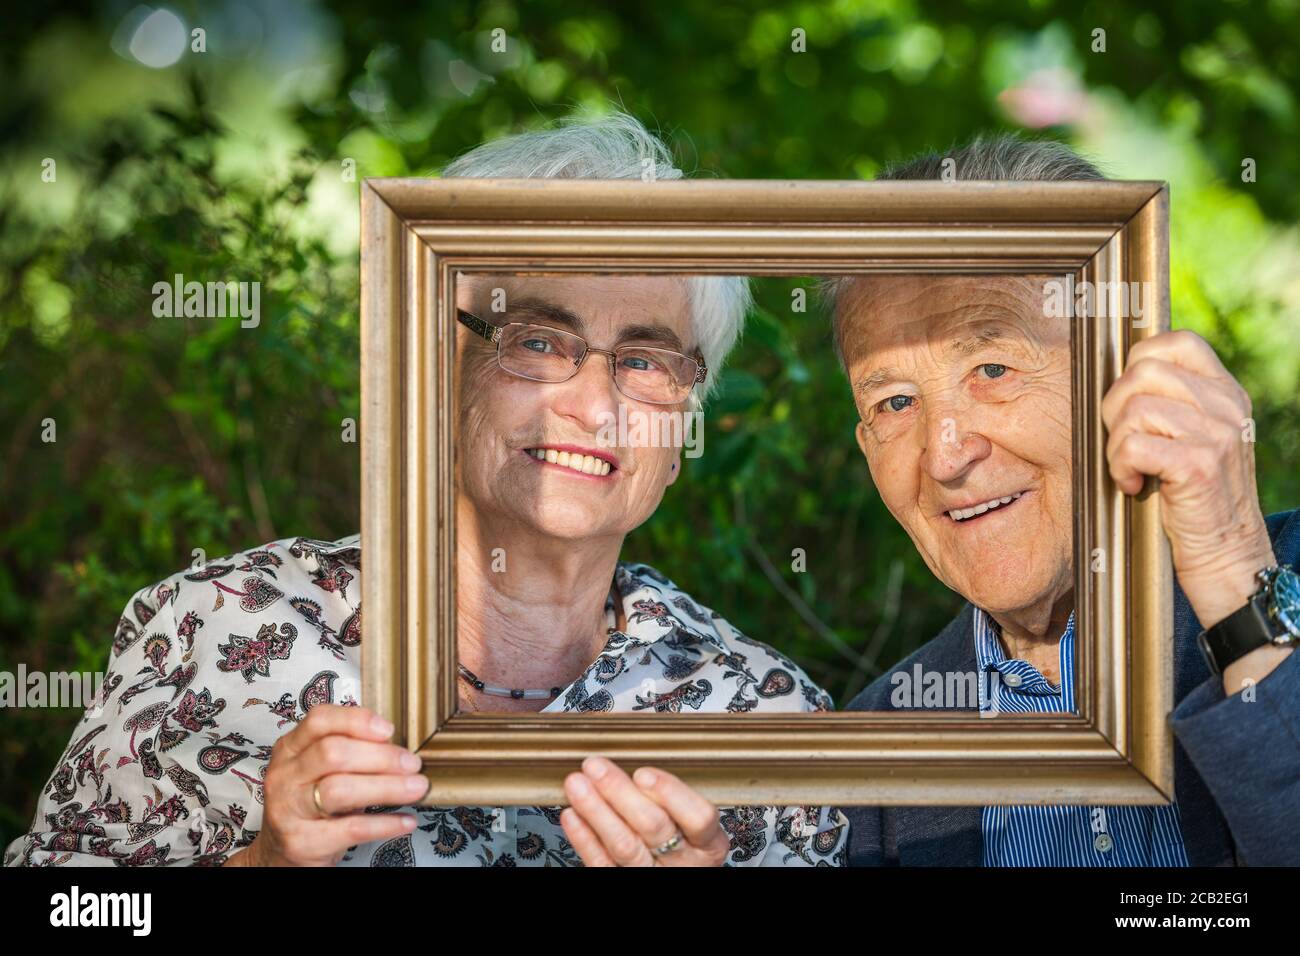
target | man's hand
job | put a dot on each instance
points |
(615, 820)
(344, 750)
(1177, 414)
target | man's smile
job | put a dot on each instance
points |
(978, 509)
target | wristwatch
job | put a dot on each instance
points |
(1270, 616)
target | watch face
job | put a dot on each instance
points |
(1285, 601)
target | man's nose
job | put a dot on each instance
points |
(952, 446)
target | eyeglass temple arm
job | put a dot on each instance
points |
(490, 332)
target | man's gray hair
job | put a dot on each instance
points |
(617, 146)
(1001, 157)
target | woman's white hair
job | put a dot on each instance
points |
(616, 146)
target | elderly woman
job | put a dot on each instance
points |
(230, 733)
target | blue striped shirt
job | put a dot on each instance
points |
(1062, 836)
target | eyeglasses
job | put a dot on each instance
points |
(541, 353)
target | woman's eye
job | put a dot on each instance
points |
(641, 362)
(896, 403)
(536, 345)
(993, 370)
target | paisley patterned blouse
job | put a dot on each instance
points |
(211, 665)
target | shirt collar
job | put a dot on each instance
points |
(657, 613)
(1025, 678)
(655, 610)
(346, 550)
(351, 543)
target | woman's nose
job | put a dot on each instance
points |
(589, 393)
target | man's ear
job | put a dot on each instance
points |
(861, 433)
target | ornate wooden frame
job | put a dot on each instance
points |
(417, 233)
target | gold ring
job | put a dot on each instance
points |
(315, 798)
(668, 847)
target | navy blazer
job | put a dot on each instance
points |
(1236, 764)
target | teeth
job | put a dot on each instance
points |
(961, 514)
(587, 464)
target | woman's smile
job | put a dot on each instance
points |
(576, 461)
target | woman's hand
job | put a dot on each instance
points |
(344, 751)
(617, 820)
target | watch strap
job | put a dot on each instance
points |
(1239, 633)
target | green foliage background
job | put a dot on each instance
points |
(177, 434)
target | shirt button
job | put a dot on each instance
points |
(1103, 842)
(1012, 680)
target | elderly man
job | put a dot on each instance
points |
(963, 387)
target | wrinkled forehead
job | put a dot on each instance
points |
(889, 312)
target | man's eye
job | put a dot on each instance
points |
(993, 370)
(536, 345)
(896, 403)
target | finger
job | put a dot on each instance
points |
(1218, 398)
(1181, 347)
(326, 719)
(694, 816)
(1157, 415)
(341, 792)
(338, 754)
(648, 819)
(338, 833)
(623, 845)
(584, 839)
(1139, 454)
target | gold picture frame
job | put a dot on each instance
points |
(417, 233)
